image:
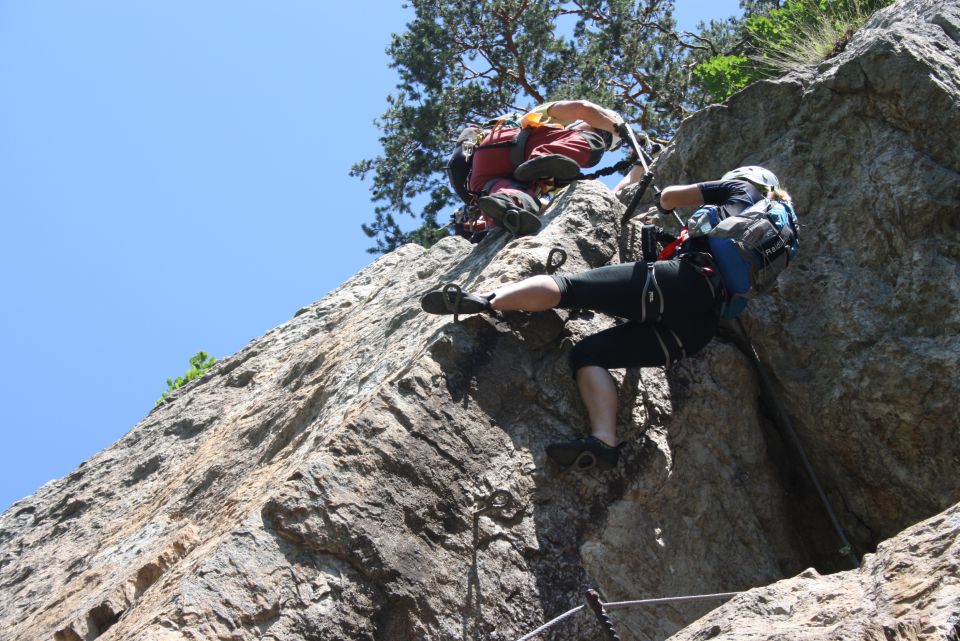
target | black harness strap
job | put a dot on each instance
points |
(652, 296)
(520, 147)
(517, 150)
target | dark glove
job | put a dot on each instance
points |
(623, 130)
(628, 135)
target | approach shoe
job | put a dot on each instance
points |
(518, 220)
(584, 453)
(453, 300)
(556, 166)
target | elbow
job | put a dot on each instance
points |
(581, 104)
(669, 199)
(677, 196)
(581, 109)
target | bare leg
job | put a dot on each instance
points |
(633, 177)
(599, 393)
(535, 294)
(597, 387)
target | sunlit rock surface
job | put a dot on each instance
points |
(908, 590)
(336, 478)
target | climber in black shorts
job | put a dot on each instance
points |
(671, 308)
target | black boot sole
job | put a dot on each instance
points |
(518, 222)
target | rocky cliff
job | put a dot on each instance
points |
(366, 471)
(908, 590)
(865, 339)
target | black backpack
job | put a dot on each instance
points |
(752, 248)
(461, 161)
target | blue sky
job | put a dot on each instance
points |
(173, 177)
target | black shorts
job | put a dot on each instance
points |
(689, 319)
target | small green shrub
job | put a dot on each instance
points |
(723, 76)
(797, 34)
(199, 365)
(807, 32)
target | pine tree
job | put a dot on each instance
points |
(461, 63)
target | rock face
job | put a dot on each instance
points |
(367, 471)
(864, 343)
(909, 589)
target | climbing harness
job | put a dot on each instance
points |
(652, 311)
(600, 609)
(467, 221)
(553, 265)
(663, 347)
(707, 266)
(652, 296)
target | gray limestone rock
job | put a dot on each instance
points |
(368, 471)
(909, 589)
(862, 341)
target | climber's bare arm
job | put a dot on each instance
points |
(676, 196)
(592, 114)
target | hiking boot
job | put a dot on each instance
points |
(453, 300)
(584, 453)
(556, 166)
(520, 220)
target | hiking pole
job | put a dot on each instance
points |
(626, 133)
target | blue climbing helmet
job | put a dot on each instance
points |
(763, 178)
